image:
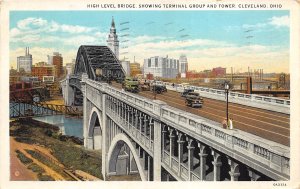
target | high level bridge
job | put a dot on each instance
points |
(163, 142)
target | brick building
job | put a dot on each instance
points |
(40, 71)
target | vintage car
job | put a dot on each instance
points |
(194, 100)
(158, 88)
(131, 85)
(186, 91)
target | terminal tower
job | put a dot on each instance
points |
(112, 41)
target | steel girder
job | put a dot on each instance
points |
(89, 58)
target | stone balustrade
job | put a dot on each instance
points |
(264, 102)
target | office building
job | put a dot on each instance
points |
(135, 69)
(24, 62)
(183, 63)
(41, 71)
(161, 67)
(56, 60)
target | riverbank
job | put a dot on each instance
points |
(41, 142)
(38, 151)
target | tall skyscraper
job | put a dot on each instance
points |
(25, 62)
(112, 41)
(183, 65)
(57, 61)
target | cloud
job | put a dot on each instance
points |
(277, 21)
(31, 23)
(283, 21)
(30, 26)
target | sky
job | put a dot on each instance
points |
(257, 38)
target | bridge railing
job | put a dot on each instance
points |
(271, 154)
(237, 143)
(264, 102)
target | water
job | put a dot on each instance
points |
(68, 125)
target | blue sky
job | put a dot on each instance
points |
(259, 39)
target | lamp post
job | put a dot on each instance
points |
(226, 91)
(154, 87)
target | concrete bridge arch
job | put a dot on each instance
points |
(116, 144)
(94, 130)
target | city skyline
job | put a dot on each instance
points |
(226, 38)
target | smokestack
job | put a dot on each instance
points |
(133, 59)
(248, 71)
(262, 74)
(231, 74)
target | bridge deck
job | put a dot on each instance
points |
(266, 124)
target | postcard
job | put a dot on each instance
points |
(199, 92)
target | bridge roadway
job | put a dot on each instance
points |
(266, 124)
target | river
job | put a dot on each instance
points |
(68, 125)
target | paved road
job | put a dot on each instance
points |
(266, 124)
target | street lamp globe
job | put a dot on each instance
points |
(226, 86)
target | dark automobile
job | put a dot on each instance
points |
(194, 100)
(159, 88)
(186, 91)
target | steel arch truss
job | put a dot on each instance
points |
(99, 63)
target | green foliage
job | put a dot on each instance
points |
(25, 160)
(25, 140)
(78, 158)
(35, 168)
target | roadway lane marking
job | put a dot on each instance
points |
(238, 122)
(237, 106)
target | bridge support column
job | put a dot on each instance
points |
(89, 143)
(140, 125)
(190, 158)
(157, 152)
(180, 152)
(253, 175)
(217, 164)
(104, 138)
(172, 137)
(163, 143)
(202, 155)
(234, 170)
